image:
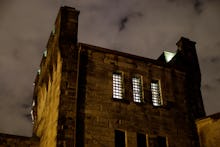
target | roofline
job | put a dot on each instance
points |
(214, 116)
(136, 57)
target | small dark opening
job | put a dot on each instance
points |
(161, 141)
(141, 140)
(119, 138)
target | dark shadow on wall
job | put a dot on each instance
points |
(80, 118)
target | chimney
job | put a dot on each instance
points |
(68, 25)
(186, 48)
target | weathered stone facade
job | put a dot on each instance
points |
(209, 130)
(74, 103)
(7, 140)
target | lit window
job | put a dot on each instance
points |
(156, 94)
(119, 138)
(32, 116)
(38, 71)
(117, 86)
(45, 53)
(53, 30)
(33, 103)
(137, 89)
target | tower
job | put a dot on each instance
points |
(91, 96)
(56, 84)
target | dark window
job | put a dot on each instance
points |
(141, 140)
(157, 141)
(119, 138)
(161, 141)
(117, 86)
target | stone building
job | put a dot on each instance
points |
(209, 130)
(95, 97)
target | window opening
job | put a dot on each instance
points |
(38, 71)
(137, 89)
(119, 138)
(54, 29)
(45, 53)
(162, 142)
(117, 86)
(141, 140)
(156, 94)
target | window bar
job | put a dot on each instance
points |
(155, 91)
(117, 86)
(137, 89)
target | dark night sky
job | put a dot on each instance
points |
(141, 27)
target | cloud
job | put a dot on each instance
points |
(198, 6)
(124, 20)
(22, 39)
(215, 59)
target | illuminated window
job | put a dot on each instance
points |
(119, 138)
(45, 53)
(137, 89)
(117, 86)
(156, 94)
(38, 71)
(32, 116)
(141, 140)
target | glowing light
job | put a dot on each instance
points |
(117, 86)
(156, 94)
(32, 116)
(45, 53)
(137, 89)
(168, 56)
(38, 71)
(54, 30)
(33, 103)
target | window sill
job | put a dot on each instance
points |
(140, 103)
(121, 100)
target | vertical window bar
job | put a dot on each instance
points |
(137, 89)
(156, 94)
(117, 86)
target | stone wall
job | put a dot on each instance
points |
(18, 141)
(47, 92)
(209, 130)
(100, 115)
(69, 80)
(73, 95)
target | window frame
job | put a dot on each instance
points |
(156, 102)
(115, 137)
(146, 139)
(164, 137)
(118, 86)
(139, 89)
